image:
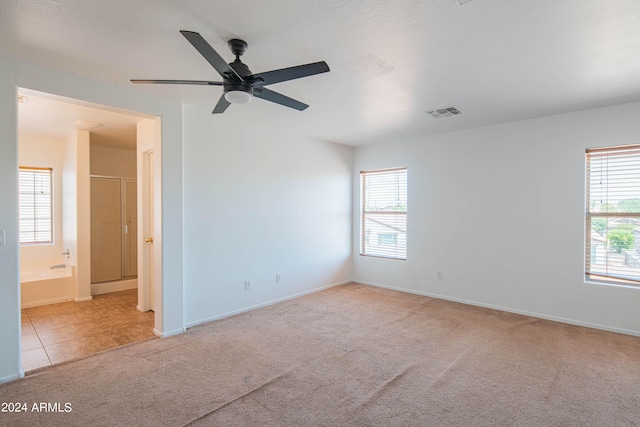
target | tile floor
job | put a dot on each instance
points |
(59, 332)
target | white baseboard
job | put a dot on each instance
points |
(108, 287)
(83, 299)
(167, 334)
(13, 377)
(509, 310)
(264, 304)
(48, 301)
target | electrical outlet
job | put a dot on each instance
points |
(278, 278)
(247, 285)
(440, 275)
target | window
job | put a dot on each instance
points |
(383, 213)
(35, 205)
(612, 252)
(389, 239)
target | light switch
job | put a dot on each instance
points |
(3, 241)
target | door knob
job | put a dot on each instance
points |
(149, 240)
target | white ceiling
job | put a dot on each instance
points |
(52, 117)
(391, 61)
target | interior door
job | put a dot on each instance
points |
(150, 284)
(146, 279)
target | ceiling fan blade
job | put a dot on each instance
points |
(221, 106)
(290, 73)
(211, 55)
(278, 98)
(177, 82)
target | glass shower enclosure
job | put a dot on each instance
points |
(114, 229)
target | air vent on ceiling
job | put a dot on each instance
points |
(445, 112)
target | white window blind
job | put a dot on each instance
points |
(612, 250)
(383, 213)
(35, 205)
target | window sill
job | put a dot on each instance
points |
(616, 284)
(383, 257)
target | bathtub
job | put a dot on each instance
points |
(41, 285)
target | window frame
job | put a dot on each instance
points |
(33, 170)
(364, 247)
(591, 275)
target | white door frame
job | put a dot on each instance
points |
(149, 193)
(145, 231)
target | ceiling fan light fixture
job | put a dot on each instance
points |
(238, 97)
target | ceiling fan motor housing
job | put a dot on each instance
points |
(231, 84)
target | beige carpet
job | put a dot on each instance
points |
(350, 356)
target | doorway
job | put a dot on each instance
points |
(53, 118)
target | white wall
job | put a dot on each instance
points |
(111, 161)
(10, 364)
(70, 199)
(260, 201)
(45, 153)
(124, 96)
(83, 214)
(500, 210)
